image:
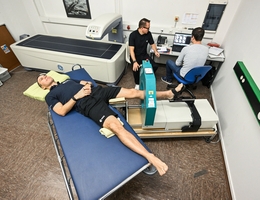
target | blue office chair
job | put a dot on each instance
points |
(193, 77)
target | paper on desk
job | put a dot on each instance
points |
(160, 49)
(215, 51)
(221, 55)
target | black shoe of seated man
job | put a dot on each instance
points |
(168, 82)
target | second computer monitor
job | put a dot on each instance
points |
(182, 39)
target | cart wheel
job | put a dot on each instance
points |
(151, 170)
(207, 139)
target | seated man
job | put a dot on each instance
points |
(191, 56)
(138, 41)
(93, 103)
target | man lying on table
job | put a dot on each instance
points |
(93, 103)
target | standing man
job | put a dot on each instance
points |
(191, 56)
(138, 41)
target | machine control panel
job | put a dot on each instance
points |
(94, 30)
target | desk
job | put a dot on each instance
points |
(214, 62)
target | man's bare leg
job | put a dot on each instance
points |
(131, 142)
(132, 93)
(168, 93)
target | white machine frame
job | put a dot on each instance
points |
(107, 71)
(170, 118)
(110, 24)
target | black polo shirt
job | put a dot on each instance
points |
(62, 92)
(140, 42)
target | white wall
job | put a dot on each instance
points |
(15, 18)
(48, 16)
(239, 127)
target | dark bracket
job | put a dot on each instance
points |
(196, 119)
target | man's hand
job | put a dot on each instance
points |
(62, 110)
(136, 66)
(85, 91)
(157, 54)
(85, 82)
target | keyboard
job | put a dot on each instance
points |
(177, 48)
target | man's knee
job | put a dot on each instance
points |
(112, 123)
(133, 94)
(168, 63)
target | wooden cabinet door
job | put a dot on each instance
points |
(7, 58)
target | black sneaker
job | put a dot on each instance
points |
(164, 79)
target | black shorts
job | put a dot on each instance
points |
(95, 106)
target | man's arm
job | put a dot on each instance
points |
(152, 44)
(154, 48)
(62, 110)
(131, 43)
(132, 54)
(179, 60)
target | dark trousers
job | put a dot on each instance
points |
(139, 61)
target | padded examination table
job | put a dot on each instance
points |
(68, 45)
(97, 165)
(104, 61)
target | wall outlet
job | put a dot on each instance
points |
(176, 18)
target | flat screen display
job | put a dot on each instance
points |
(182, 39)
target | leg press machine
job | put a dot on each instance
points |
(164, 118)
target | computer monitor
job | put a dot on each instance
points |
(182, 39)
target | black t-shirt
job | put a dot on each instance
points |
(62, 92)
(140, 42)
(98, 99)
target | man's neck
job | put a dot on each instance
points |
(52, 84)
(196, 42)
(140, 31)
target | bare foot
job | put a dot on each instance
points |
(177, 89)
(158, 164)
